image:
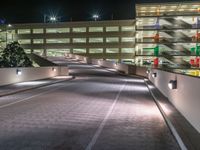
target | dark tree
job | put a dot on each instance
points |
(14, 56)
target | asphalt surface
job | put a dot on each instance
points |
(98, 110)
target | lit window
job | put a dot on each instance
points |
(24, 31)
(11, 31)
(77, 30)
(112, 39)
(27, 51)
(24, 41)
(38, 31)
(38, 41)
(96, 50)
(9, 37)
(95, 29)
(128, 39)
(127, 50)
(57, 30)
(112, 50)
(38, 51)
(95, 40)
(79, 40)
(128, 28)
(57, 52)
(63, 40)
(79, 50)
(112, 29)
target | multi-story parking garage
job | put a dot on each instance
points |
(168, 34)
(112, 40)
(162, 35)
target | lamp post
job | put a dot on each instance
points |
(52, 19)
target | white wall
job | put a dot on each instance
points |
(141, 71)
(186, 98)
(9, 75)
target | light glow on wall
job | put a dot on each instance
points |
(19, 72)
(172, 84)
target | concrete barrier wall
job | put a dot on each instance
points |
(124, 68)
(107, 64)
(95, 61)
(141, 71)
(186, 98)
(9, 75)
(81, 58)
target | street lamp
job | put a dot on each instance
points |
(53, 19)
(95, 16)
(9, 25)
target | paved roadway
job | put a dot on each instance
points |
(98, 110)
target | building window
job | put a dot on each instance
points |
(95, 29)
(128, 39)
(38, 41)
(38, 31)
(11, 31)
(112, 39)
(38, 51)
(112, 29)
(27, 51)
(79, 40)
(79, 50)
(24, 31)
(57, 52)
(57, 30)
(95, 50)
(112, 50)
(24, 41)
(128, 28)
(55, 41)
(95, 40)
(79, 30)
(127, 50)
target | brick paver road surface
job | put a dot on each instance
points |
(98, 110)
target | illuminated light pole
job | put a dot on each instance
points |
(95, 16)
(53, 19)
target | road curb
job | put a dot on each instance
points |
(35, 87)
(167, 120)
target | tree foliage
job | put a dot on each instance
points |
(14, 56)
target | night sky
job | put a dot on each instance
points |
(32, 11)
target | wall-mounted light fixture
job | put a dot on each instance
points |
(54, 69)
(154, 75)
(19, 72)
(172, 84)
(148, 71)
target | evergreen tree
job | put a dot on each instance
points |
(14, 56)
